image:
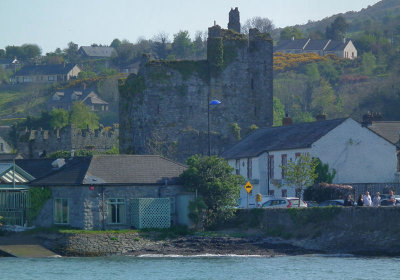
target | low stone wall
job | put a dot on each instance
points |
(359, 230)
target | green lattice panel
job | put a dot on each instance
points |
(150, 212)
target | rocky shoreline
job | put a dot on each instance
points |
(136, 245)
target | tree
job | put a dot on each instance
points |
(219, 188)
(81, 117)
(323, 174)
(300, 173)
(71, 52)
(288, 33)
(279, 112)
(182, 45)
(58, 118)
(368, 63)
(264, 25)
(160, 45)
(115, 43)
(337, 29)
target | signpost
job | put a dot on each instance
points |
(248, 187)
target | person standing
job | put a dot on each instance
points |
(377, 200)
(367, 199)
(348, 201)
(392, 198)
(360, 201)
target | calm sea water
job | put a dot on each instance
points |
(220, 268)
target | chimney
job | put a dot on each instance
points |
(287, 120)
(320, 117)
(344, 40)
(370, 117)
(292, 38)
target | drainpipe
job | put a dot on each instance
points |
(269, 167)
(102, 208)
(14, 173)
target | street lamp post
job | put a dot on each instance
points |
(212, 102)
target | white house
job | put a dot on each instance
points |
(358, 154)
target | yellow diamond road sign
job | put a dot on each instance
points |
(248, 187)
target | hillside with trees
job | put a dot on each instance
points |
(306, 85)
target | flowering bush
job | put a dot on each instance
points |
(323, 191)
(286, 61)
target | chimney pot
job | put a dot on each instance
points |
(320, 117)
(287, 120)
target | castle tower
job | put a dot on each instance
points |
(234, 20)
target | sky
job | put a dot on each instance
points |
(52, 24)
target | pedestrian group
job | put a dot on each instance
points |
(365, 200)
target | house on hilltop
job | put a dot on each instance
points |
(64, 100)
(344, 48)
(52, 73)
(356, 153)
(96, 52)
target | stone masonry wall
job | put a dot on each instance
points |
(32, 143)
(86, 207)
(164, 109)
(355, 230)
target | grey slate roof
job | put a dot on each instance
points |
(294, 136)
(292, 44)
(54, 69)
(36, 167)
(97, 51)
(114, 170)
(316, 45)
(337, 45)
(387, 129)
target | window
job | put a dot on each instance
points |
(61, 211)
(284, 193)
(249, 168)
(271, 167)
(237, 166)
(297, 155)
(116, 211)
(271, 192)
(51, 78)
(284, 163)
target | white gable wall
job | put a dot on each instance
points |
(357, 154)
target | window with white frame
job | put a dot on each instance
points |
(116, 211)
(271, 166)
(61, 211)
(237, 166)
(249, 168)
(51, 78)
(284, 164)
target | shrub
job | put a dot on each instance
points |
(323, 191)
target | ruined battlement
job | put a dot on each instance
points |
(34, 143)
(164, 108)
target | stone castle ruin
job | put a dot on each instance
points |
(164, 108)
(39, 143)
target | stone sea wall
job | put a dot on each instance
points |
(358, 230)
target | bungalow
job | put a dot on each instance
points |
(111, 192)
(64, 99)
(356, 153)
(97, 52)
(344, 48)
(46, 73)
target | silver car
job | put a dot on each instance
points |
(284, 202)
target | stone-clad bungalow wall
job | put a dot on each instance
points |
(86, 209)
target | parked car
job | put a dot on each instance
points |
(311, 203)
(284, 202)
(333, 202)
(386, 202)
